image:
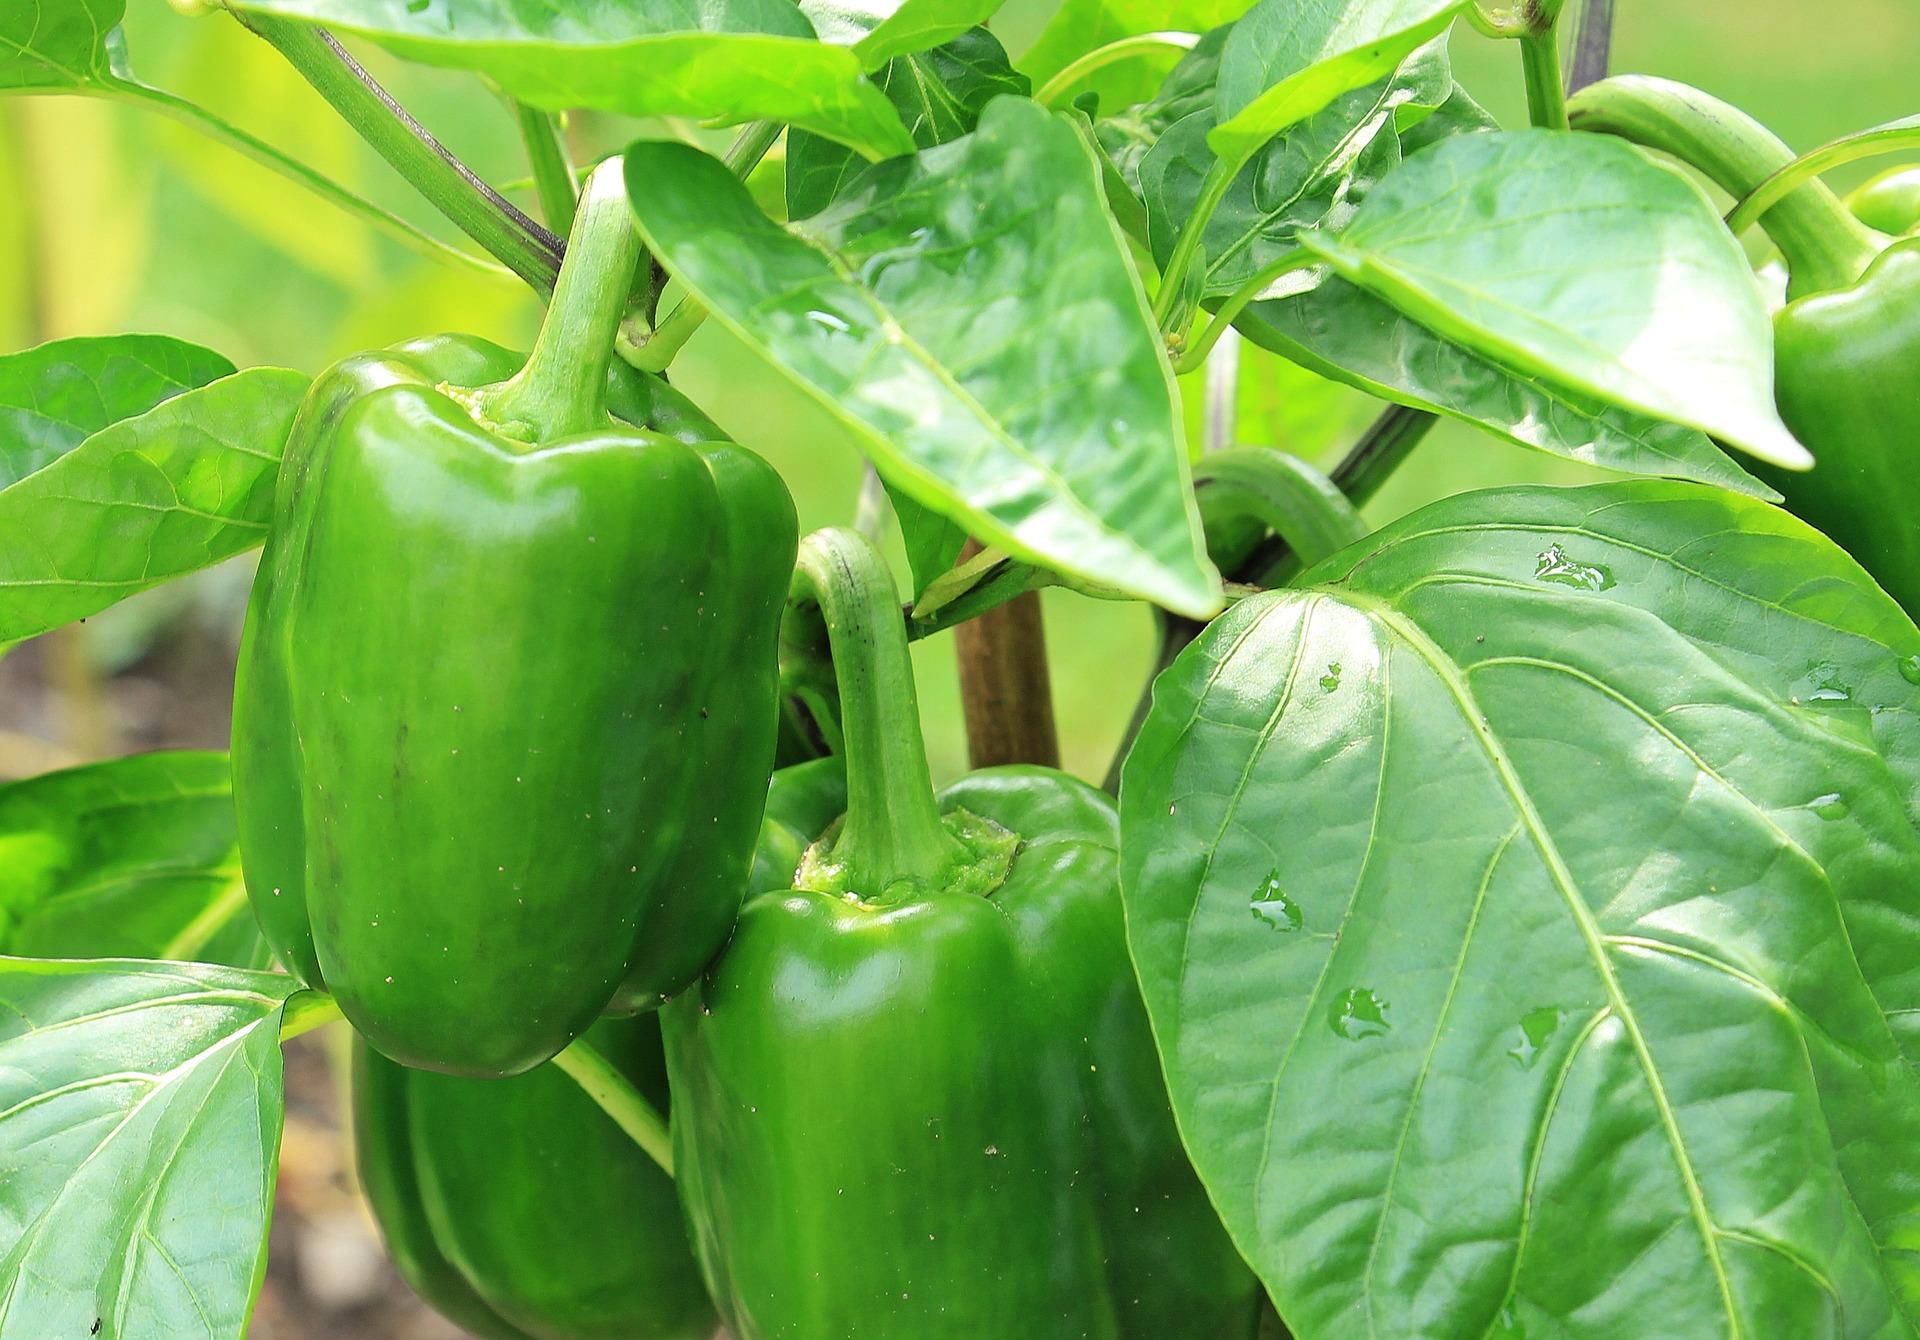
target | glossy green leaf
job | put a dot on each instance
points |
(1130, 134)
(58, 45)
(1526, 910)
(973, 318)
(55, 396)
(1631, 289)
(882, 30)
(1345, 333)
(1289, 58)
(179, 488)
(715, 60)
(1079, 26)
(939, 95)
(140, 1108)
(131, 858)
(1314, 174)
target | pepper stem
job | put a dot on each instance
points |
(893, 833)
(1824, 246)
(563, 388)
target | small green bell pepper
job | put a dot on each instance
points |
(917, 1095)
(1846, 343)
(1890, 202)
(507, 692)
(521, 1211)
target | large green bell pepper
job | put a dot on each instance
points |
(916, 1096)
(507, 691)
(518, 1209)
(1846, 343)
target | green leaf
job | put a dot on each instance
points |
(939, 95)
(1314, 174)
(881, 30)
(973, 318)
(179, 488)
(132, 858)
(719, 61)
(1130, 134)
(52, 398)
(1289, 58)
(1525, 908)
(1630, 290)
(140, 1109)
(58, 45)
(1079, 26)
(1346, 334)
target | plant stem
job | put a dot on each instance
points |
(584, 1065)
(207, 123)
(1825, 247)
(554, 179)
(1546, 99)
(1195, 354)
(1592, 46)
(1304, 507)
(306, 1011)
(523, 246)
(1212, 191)
(1893, 137)
(1006, 693)
(562, 390)
(1141, 44)
(669, 336)
(892, 831)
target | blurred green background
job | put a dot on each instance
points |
(134, 222)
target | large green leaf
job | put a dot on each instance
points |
(1289, 58)
(1079, 26)
(1347, 334)
(882, 30)
(1630, 290)
(140, 1109)
(1312, 175)
(1317, 172)
(52, 398)
(973, 318)
(714, 60)
(58, 45)
(179, 488)
(939, 95)
(1528, 915)
(132, 858)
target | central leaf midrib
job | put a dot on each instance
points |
(1448, 672)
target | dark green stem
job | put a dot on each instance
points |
(1824, 246)
(562, 390)
(1285, 494)
(553, 175)
(893, 832)
(1894, 137)
(479, 211)
(1213, 190)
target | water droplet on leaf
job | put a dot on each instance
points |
(1910, 669)
(1359, 1013)
(1271, 905)
(1331, 679)
(1821, 684)
(1553, 565)
(1830, 806)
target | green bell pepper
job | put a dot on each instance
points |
(507, 691)
(917, 1095)
(521, 1211)
(1846, 343)
(1890, 202)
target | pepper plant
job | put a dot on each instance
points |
(1504, 923)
